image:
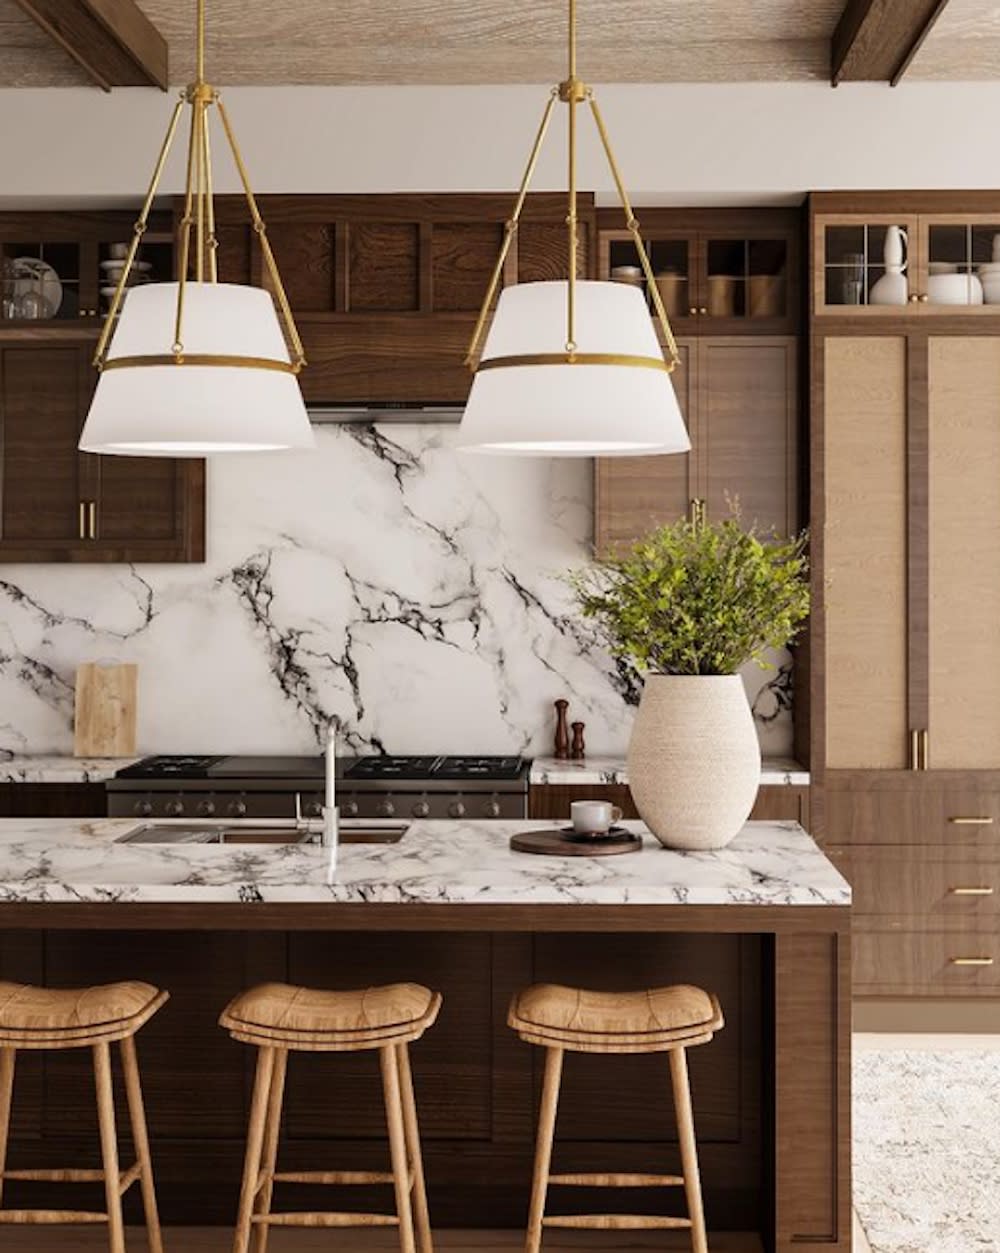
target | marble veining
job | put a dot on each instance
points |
(775, 771)
(385, 581)
(49, 768)
(769, 863)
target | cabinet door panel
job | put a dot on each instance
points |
(964, 559)
(40, 409)
(140, 499)
(635, 494)
(866, 551)
(748, 413)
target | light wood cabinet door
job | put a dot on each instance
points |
(632, 495)
(963, 602)
(747, 425)
(865, 543)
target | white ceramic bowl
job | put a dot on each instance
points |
(954, 289)
(991, 288)
(942, 267)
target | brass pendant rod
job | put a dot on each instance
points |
(632, 224)
(510, 230)
(298, 352)
(571, 100)
(138, 230)
(199, 183)
(200, 65)
(186, 223)
(212, 244)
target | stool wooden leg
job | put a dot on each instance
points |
(270, 1157)
(255, 1144)
(109, 1146)
(543, 1147)
(412, 1128)
(689, 1148)
(140, 1136)
(6, 1093)
(397, 1146)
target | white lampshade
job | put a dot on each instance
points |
(194, 410)
(581, 409)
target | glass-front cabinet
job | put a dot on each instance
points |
(735, 271)
(906, 261)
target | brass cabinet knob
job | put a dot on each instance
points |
(703, 311)
(924, 298)
(914, 298)
(693, 311)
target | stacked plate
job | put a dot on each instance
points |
(112, 272)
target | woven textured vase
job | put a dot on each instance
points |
(694, 759)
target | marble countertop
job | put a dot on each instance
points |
(598, 770)
(69, 860)
(51, 768)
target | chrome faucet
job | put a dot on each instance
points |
(331, 813)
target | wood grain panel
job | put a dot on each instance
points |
(908, 963)
(964, 383)
(908, 815)
(777, 803)
(632, 495)
(542, 251)
(865, 552)
(384, 267)
(305, 256)
(463, 256)
(748, 415)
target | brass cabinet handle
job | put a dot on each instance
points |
(970, 961)
(971, 822)
(983, 891)
(83, 519)
(925, 750)
(93, 519)
(914, 750)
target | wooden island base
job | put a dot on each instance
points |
(771, 1092)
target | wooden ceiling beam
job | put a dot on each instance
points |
(876, 40)
(113, 40)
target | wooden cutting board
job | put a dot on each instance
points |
(105, 710)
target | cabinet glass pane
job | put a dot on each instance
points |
(40, 281)
(670, 260)
(963, 264)
(747, 278)
(854, 267)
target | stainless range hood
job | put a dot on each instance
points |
(326, 415)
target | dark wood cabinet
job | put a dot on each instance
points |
(775, 802)
(58, 504)
(386, 288)
(740, 400)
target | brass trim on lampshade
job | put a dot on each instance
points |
(202, 359)
(574, 358)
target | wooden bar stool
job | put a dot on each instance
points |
(94, 1018)
(279, 1019)
(662, 1020)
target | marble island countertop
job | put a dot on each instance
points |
(605, 770)
(53, 768)
(462, 863)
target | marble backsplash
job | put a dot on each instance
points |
(386, 580)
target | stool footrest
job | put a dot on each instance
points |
(333, 1176)
(70, 1175)
(618, 1181)
(53, 1216)
(325, 1219)
(618, 1222)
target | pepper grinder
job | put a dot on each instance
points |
(579, 749)
(562, 730)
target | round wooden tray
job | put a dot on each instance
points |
(556, 844)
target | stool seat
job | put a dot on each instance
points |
(281, 1015)
(656, 1016)
(47, 1017)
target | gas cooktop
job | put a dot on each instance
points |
(382, 768)
(455, 768)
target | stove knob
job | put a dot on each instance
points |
(386, 808)
(349, 809)
(237, 809)
(206, 808)
(314, 809)
(174, 809)
(492, 809)
(422, 809)
(457, 809)
(143, 809)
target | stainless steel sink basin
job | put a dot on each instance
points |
(358, 831)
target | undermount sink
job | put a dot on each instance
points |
(358, 831)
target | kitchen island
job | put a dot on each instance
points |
(764, 924)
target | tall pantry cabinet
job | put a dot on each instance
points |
(906, 495)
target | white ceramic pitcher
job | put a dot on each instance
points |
(893, 288)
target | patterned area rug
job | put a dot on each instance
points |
(927, 1150)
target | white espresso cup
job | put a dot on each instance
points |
(594, 817)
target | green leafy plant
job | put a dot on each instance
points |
(698, 597)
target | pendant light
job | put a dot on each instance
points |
(197, 367)
(572, 367)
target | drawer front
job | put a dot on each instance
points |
(907, 963)
(966, 816)
(924, 888)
